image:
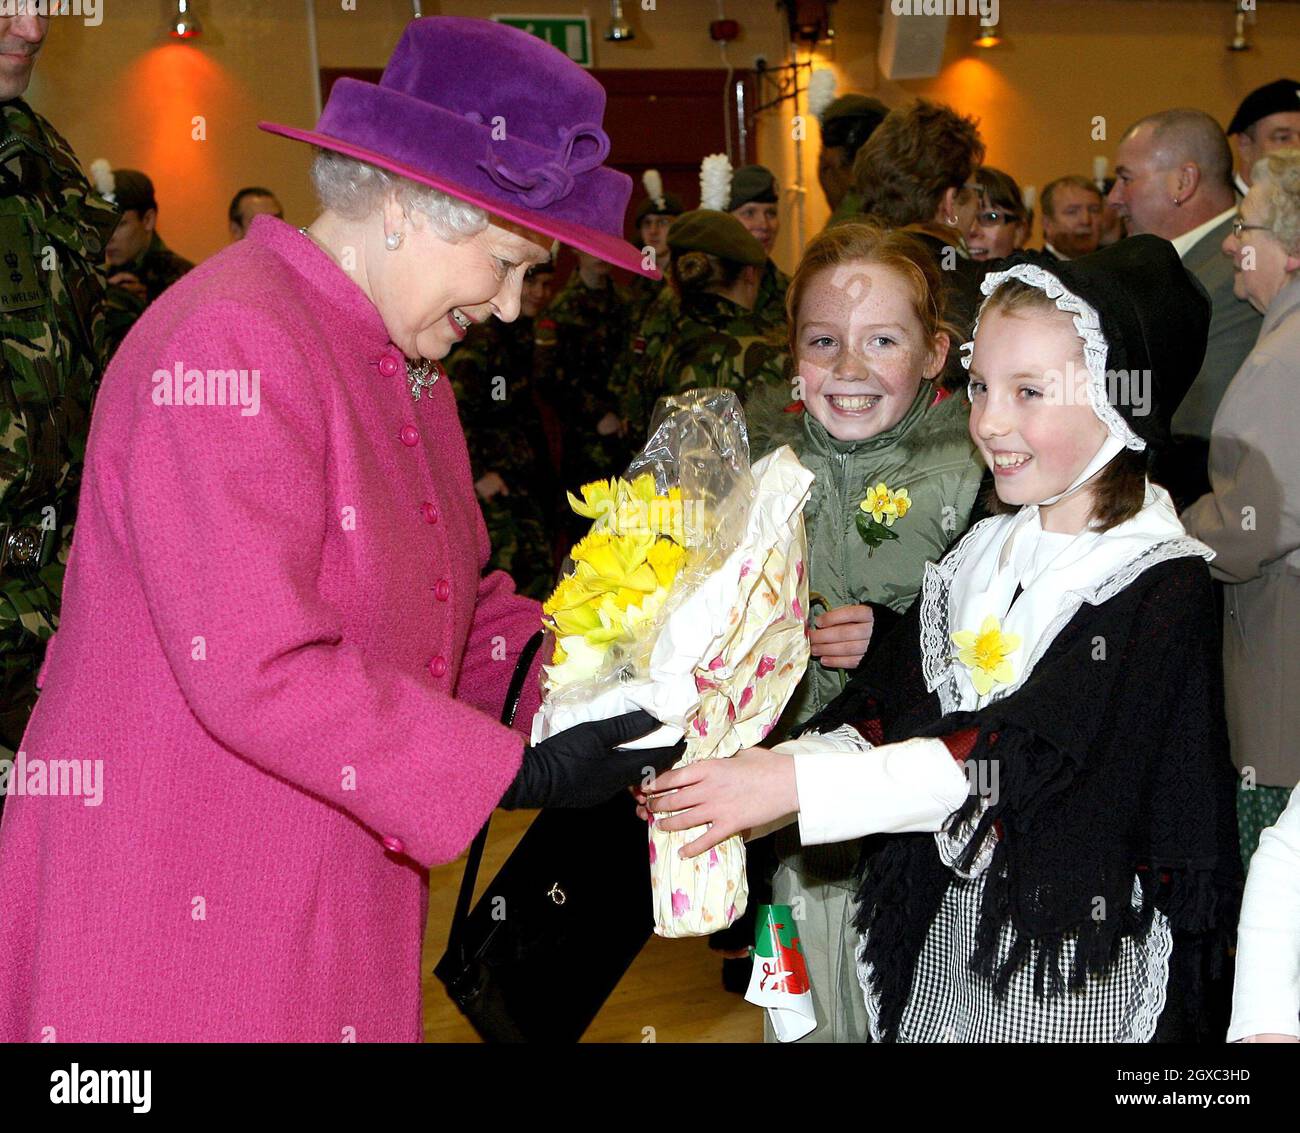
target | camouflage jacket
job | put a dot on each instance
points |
(492, 374)
(590, 332)
(633, 381)
(591, 328)
(772, 287)
(641, 293)
(718, 343)
(157, 267)
(53, 229)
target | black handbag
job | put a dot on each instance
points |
(560, 923)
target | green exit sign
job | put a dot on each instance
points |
(571, 34)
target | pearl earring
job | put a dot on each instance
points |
(393, 241)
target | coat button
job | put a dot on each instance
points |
(409, 435)
(429, 511)
(438, 666)
(393, 845)
(443, 590)
(388, 365)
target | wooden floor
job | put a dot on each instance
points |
(674, 988)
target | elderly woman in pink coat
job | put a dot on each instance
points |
(278, 660)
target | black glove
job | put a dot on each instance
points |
(583, 766)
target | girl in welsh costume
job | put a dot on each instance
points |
(1041, 741)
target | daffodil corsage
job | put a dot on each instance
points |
(878, 513)
(987, 654)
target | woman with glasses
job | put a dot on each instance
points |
(1251, 519)
(1001, 226)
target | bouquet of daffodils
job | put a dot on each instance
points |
(687, 598)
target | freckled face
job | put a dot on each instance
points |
(862, 351)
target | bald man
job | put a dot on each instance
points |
(1173, 175)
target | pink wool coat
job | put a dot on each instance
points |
(276, 638)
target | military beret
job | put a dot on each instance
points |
(850, 119)
(133, 190)
(1274, 98)
(718, 233)
(752, 184)
(672, 206)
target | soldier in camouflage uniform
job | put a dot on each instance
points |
(649, 304)
(492, 374)
(846, 125)
(636, 378)
(720, 340)
(755, 202)
(53, 230)
(583, 334)
(653, 217)
(138, 260)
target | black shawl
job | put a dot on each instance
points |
(1112, 760)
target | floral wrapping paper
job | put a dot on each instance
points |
(744, 632)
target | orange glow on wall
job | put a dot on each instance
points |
(183, 109)
(977, 88)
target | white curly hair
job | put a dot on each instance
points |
(355, 189)
(1280, 173)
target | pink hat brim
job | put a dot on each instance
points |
(611, 249)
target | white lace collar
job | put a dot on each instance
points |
(979, 576)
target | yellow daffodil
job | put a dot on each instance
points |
(581, 661)
(610, 562)
(623, 570)
(642, 488)
(568, 594)
(666, 558)
(885, 506)
(599, 499)
(577, 619)
(987, 654)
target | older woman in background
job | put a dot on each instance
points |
(1251, 518)
(276, 638)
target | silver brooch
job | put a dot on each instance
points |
(422, 377)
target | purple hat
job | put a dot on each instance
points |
(493, 116)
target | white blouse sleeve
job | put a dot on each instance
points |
(848, 789)
(1266, 994)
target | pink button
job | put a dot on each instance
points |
(438, 666)
(394, 845)
(430, 512)
(388, 365)
(409, 435)
(443, 590)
